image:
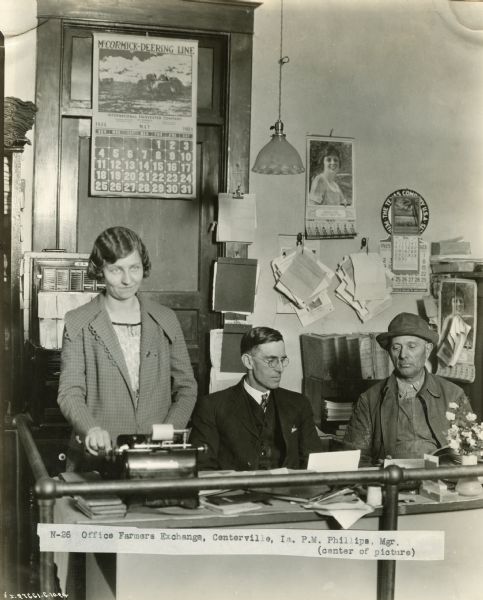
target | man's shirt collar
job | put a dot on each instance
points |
(255, 394)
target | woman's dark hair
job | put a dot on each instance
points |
(330, 151)
(258, 336)
(111, 245)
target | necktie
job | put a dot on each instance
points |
(264, 402)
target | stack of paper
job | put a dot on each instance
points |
(452, 256)
(337, 411)
(100, 506)
(365, 284)
(97, 506)
(304, 280)
(235, 502)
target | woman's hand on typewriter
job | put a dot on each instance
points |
(98, 441)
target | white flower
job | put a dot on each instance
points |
(454, 444)
(453, 405)
(470, 417)
(480, 434)
(471, 442)
(450, 415)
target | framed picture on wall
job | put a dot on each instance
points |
(330, 208)
(457, 302)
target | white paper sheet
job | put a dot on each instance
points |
(328, 462)
(369, 276)
(237, 218)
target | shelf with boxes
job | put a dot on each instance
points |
(54, 282)
(337, 368)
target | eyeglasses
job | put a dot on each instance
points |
(274, 362)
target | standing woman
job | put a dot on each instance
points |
(125, 365)
(324, 188)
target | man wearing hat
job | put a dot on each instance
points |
(404, 416)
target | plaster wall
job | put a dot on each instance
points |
(405, 80)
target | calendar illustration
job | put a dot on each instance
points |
(144, 117)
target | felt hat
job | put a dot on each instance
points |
(407, 324)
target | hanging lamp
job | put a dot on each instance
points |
(279, 157)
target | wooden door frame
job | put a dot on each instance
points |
(231, 18)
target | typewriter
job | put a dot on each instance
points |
(163, 454)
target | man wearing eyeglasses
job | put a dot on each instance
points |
(256, 424)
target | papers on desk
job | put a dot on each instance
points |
(99, 506)
(344, 506)
(405, 463)
(328, 462)
(365, 284)
(304, 281)
(235, 502)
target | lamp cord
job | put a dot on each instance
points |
(282, 61)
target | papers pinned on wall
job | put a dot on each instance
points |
(365, 284)
(304, 280)
(234, 285)
(237, 218)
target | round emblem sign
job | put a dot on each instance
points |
(408, 194)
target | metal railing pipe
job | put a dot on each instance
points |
(22, 423)
(47, 489)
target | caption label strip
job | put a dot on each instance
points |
(361, 545)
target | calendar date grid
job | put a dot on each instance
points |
(145, 163)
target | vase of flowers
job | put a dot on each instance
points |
(465, 436)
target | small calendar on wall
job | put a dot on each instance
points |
(144, 117)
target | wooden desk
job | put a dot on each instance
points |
(136, 577)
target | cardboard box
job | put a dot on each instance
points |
(450, 247)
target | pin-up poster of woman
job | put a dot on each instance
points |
(330, 199)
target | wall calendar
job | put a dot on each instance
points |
(144, 117)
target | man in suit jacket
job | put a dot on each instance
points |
(256, 424)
